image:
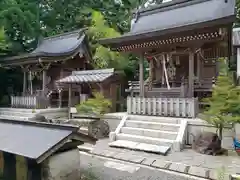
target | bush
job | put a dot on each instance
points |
(96, 106)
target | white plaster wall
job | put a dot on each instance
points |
(238, 62)
(65, 166)
(197, 125)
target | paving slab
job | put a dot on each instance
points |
(179, 167)
(153, 148)
(123, 143)
(134, 159)
(198, 171)
(161, 164)
(148, 161)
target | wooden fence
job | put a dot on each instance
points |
(174, 107)
(29, 102)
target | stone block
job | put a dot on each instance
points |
(148, 161)
(161, 164)
(198, 171)
(178, 167)
(112, 136)
(134, 159)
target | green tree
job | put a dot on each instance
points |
(3, 42)
(104, 57)
(19, 18)
(224, 102)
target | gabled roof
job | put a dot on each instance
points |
(37, 140)
(60, 46)
(176, 16)
(88, 76)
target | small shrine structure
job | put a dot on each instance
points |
(182, 41)
(54, 58)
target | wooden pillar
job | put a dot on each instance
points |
(59, 98)
(191, 75)
(69, 100)
(44, 81)
(80, 91)
(141, 76)
(24, 82)
(199, 66)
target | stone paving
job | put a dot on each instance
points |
(187, 161)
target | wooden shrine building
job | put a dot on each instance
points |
(54, 58)
(182, 41)
(106, 81)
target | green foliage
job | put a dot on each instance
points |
(224, 103)
(19, 18)
(104, 57)
(97, 106)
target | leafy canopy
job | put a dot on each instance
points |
(104, 57)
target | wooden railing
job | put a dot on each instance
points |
(173, 107)
(29, 102)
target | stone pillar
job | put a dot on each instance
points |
(191, 75)
(141, 76)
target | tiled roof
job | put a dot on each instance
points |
(65, 44)
(88, 76)
(33, 139)
(176, 16)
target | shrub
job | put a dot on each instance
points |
(97, 106)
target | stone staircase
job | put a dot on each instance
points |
(148, 133)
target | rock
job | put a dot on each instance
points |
(40, 118)
(98, 129)
(207, 143)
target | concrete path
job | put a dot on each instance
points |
(185, 162)
(98, 168)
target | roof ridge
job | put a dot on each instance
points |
(169, 5)
(64, 34)
(41, 124)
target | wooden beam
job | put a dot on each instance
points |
(191, 74)
(141, 76)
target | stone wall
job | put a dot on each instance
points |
(197, 125)
(64, 166)
(53, 113)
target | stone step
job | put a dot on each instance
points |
(140, 146)
(17, 113)
(21, 118)
(149, 133)
(155, 119)
(152, 125)
(144, 139)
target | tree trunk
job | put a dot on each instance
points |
(220, 131)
